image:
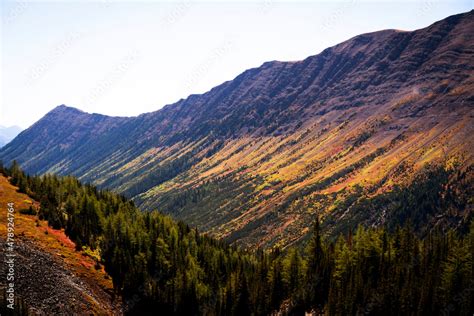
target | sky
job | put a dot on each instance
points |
(124, 58)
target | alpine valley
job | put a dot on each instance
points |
(376, 130)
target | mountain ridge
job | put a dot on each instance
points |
(8, 133)
(282, 142)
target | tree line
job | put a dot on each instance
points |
(160, 264)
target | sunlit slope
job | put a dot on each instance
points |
(256, 158)
(266, 189)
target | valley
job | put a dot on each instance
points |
(339, 182)
(256, 159)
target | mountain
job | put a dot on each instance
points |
(8, 133)
(342, 134)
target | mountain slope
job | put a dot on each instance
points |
(254, 159)
(51, 276)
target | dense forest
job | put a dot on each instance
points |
(159, 264)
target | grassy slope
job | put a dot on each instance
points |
(280, 168)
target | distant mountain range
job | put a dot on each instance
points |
(8, 133)
(255, 159)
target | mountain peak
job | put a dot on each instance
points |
(65, 109)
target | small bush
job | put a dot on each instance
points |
(28, 211)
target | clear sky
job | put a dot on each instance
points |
(130, 57)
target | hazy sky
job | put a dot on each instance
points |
(129, 57)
